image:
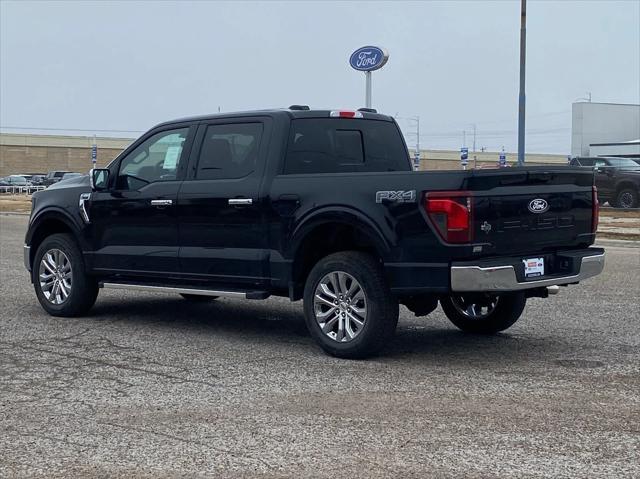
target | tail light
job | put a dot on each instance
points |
(450, 212)
(595, 211)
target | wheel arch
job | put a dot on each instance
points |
(329, 232)
(46, 224)
(623, 184)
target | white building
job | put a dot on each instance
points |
(605, 129)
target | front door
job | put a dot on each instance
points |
(604, 179)
(222, 234)
(133, 225)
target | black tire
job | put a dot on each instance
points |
(198, 298)
(627, 198)
(83, 288)
(507, 311)
(381, 308)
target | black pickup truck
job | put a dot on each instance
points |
(617, 179)
(314, 205)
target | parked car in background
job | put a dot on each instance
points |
(14, 180)
(66, 176)
(617, 179)
(38, 180)
(53, 177)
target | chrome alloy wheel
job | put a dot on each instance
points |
(55, 276)
(476, 306)
(340, 306)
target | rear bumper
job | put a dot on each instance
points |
(504, 277)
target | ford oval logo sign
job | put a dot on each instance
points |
(538, 205)
(367, 59)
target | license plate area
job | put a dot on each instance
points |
(533, 267)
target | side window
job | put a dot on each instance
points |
(229, 151)
(156, 159)
(585, 162)
(600, 163)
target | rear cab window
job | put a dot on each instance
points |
(337, 145)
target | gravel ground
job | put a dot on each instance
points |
(151, 386)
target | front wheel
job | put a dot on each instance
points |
(59, 278)
(483, 313)
(349, 309)
(627, 198)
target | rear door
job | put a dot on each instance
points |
(222, 232)
(133, 225)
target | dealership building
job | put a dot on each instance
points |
(28, 154)
(605, 129)
(598, 129)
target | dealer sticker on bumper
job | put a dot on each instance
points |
(533, 267)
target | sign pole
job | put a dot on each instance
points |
(368, 59)
(367, 98)
(94, 152)
(521, 105)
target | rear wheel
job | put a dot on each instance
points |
(61, 284)
(198, 298)
(349, 309)
(627, 198)
(483, 313)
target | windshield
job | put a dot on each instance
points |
(622, 163)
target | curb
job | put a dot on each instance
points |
(617, 242)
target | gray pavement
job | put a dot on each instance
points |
(149, 385)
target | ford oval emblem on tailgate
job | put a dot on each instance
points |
(538, 205)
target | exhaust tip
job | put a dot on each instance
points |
(553, 289)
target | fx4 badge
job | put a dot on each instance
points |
(397, 196)
(486, 227)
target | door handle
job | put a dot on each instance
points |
(240, 201)
(161, 202)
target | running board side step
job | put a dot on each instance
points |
(185, 290)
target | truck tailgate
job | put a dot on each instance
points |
(532, 210)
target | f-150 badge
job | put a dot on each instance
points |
(397, 196)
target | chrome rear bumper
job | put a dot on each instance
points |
(503, 278)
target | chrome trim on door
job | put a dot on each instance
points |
(240, 201)
(503, 278)
(161, 202)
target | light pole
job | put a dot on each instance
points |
(521, 102)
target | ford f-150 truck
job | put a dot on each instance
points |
(617, 179)
(315, 205)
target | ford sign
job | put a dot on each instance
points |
(538, 205)
(367, 59)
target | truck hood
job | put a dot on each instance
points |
(71, 183)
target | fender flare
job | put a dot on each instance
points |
(344, 215)
(53, 213)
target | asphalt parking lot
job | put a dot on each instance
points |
(149, 385)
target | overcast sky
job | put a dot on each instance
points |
(129, 65)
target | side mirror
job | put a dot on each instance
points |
(99, 179)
